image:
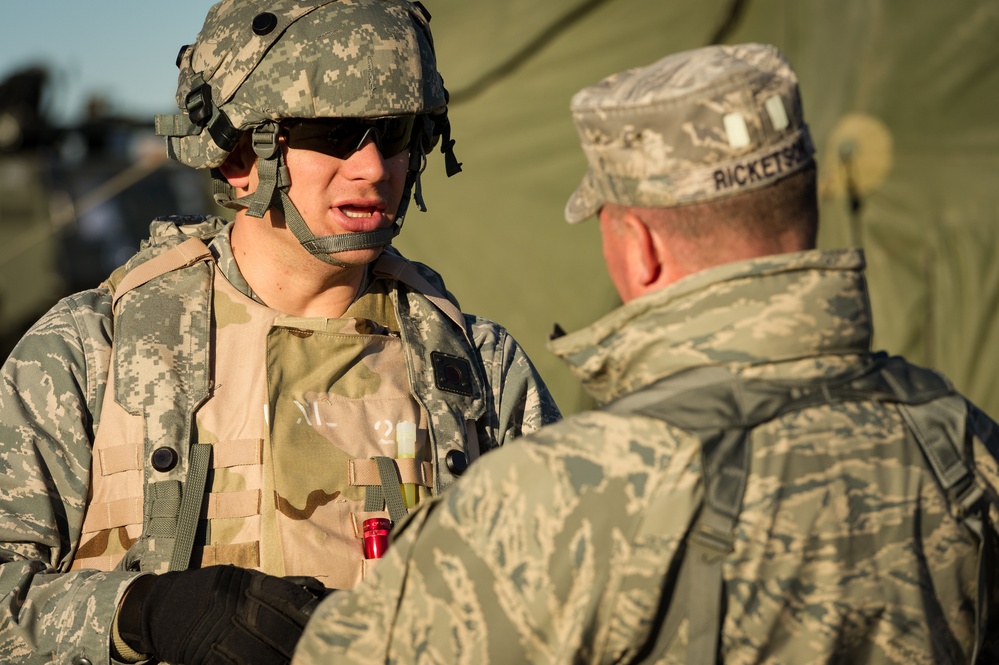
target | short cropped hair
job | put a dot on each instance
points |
(790, 205)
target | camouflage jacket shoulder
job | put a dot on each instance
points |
(777, 315)
(53, 382)
(565, 547)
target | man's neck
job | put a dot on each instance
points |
(289, 279)
(298, 295)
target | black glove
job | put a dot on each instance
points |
(217, 615)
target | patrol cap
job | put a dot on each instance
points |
(695, 126)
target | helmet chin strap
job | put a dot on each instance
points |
(272, 192)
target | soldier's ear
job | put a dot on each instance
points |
(644, 252)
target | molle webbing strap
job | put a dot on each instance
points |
(175, 125)
(721, 409)
(361, 472)
(388, 493)
(163, 506)
(232, 505)
(115, 514)
(199, 461)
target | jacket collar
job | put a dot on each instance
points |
(774, 309)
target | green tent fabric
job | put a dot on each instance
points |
(901, 96)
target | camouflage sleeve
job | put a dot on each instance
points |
(521, 402)
(50, 385)
(554, 548)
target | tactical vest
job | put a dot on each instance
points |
(194, 357)
(721, 410)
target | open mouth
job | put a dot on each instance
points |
(356, 217)
(357, 212)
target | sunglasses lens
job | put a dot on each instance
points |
(341, 138)
(345, 137)
(394, 135)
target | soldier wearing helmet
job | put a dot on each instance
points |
(242, 87)
(195, 447)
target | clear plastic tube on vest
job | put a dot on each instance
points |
(405, 439)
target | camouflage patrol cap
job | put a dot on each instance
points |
(695, 126)
(261, 60)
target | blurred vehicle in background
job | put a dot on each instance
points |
(75, 201)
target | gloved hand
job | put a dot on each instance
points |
(217, 615)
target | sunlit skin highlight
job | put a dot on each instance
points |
(334, 196)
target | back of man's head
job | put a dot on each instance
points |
(708, 138)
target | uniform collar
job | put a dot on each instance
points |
(774, 309)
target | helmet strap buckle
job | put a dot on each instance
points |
(265, 140)
(271, 171)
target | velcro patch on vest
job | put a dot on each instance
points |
(452, 374)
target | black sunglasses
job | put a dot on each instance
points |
(342, 137)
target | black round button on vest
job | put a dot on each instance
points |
(82, 660)
(457, 463)
(264, 23)
(164, 459)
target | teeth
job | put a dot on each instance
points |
(356, 213)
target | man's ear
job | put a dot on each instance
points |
(644, 253)
(238, 165)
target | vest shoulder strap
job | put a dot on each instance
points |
(721, 409)
(165, 233)
(187, 253)
(399, 269)
(153, 326)
(450, 380)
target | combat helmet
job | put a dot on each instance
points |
(258, 62)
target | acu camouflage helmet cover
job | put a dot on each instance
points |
(257, 61)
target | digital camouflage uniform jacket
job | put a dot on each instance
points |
(53, 387)
(557, 548)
